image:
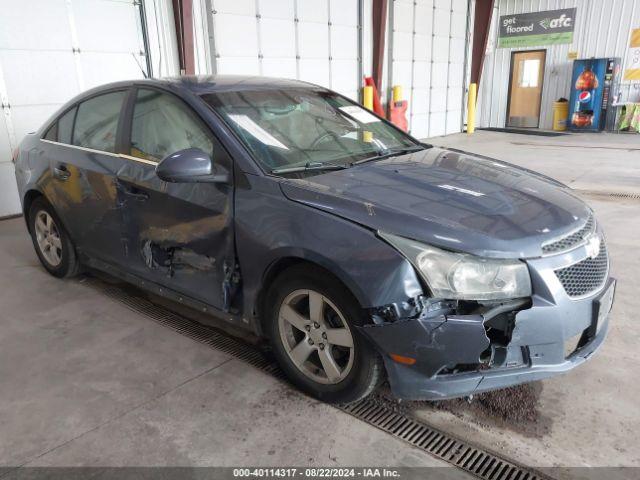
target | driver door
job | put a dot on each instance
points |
(177, 235)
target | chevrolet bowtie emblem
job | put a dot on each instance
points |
(593, 246)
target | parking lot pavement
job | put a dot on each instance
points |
(588, 416)
(85, 381)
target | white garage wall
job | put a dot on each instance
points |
(163, 47)
(317, 41)
(427, 47)
(51, 50)
(311, 40)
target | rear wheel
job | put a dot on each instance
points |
(51, 241)
(312, 325)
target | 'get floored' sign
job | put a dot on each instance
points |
(537, 28)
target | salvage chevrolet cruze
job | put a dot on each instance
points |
(357, 251)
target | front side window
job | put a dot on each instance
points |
(285, 129)
(162, 124)
(96, 124)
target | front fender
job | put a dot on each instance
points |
(270, 227)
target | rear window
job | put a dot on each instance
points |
(65, 126)
(61, 130)
(52, 133)
(96, 123)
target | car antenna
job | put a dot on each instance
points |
(144, 74)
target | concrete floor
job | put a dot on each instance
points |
(586, 161)
(84, 381)
(590, 416)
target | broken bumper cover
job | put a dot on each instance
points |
(537, 350)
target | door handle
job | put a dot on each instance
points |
(61, 172)
(133, 192)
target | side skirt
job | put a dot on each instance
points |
(167, 293)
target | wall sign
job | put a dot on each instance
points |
(632, 69)
(537, 28)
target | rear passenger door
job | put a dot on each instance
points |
(178, 234)
(83, 160)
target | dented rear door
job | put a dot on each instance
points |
(83, 157)
(178, 235)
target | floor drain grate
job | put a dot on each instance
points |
(597, 193)
(472, 459)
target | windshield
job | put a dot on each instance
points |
(307, 128)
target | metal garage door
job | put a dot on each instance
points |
(428, 45)
(312, 40)
(50, 50)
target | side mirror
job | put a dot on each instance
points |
(190, 165)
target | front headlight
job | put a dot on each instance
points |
(462, 276)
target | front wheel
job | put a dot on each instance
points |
(313, 328)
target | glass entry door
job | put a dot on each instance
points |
(525, 88)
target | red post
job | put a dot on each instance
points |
(379, 22)
(183, 18)
(481, 24)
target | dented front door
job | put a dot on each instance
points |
(178, 235)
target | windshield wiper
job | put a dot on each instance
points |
(389, 153)
(310, 167)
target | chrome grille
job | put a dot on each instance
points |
(586, 276)
(572, 240)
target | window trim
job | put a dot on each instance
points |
(123, 133)
(101, 152)
(76, 104)
(119, 153)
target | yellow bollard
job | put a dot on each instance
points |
(367, 97)
(471, 108)
(397, 93)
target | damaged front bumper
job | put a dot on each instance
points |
(448, 356)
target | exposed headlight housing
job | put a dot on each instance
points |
(462, 276)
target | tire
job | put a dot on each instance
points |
(340, 372)
(51, 241)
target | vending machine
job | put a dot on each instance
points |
(591, 85)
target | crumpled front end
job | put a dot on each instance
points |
(458, 348)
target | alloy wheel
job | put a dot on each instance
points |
(316, 336)
(48, 238)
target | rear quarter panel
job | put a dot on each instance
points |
(32, 167)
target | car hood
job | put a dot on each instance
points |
(452, 199)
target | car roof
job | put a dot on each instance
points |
(203, 84)
(200, 84)
(195, 84)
